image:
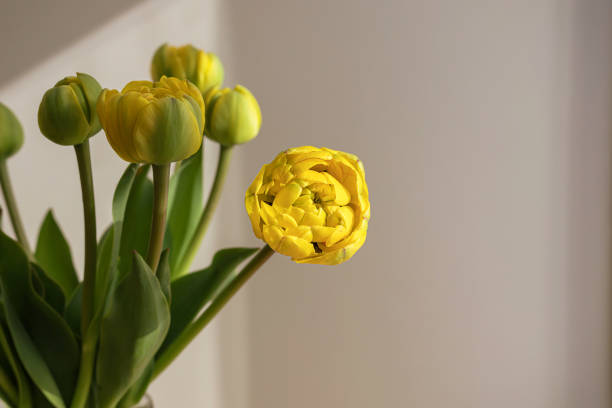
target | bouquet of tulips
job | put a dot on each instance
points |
(100, 341)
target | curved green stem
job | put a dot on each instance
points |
(183, 340)
(225, 154)
(11, 205)
(89, 214)
(161, 180)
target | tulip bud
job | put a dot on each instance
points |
(153, 122)
(232, 116)
(11, 133)
(203, 69)
(67, 114)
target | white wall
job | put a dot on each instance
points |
(484, 128)
(485, 133)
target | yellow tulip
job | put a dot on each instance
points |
(311, 204)
(67, 112)
(11, 133)
(153, 122)
(203, 69)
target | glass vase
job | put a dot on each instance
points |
(145, 402)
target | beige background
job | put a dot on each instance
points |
(485, 132)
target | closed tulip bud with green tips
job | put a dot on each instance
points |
(232, 116)
(11, 133)
(67, 113)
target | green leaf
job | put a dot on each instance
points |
(53, 255)
(108, 250)
(52, 293)
(109, 244)
(163, 274)
(131, 332)
(136, 225)
(138, 390)
(184, 204)
(43, 340)
(8, 349)
(190, 293)
(72, 315)
(122, 191)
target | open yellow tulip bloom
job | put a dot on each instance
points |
(153, 122)
(311, 204)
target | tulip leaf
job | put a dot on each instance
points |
(163, 274)
(52, 293)
(190, 293)
(107, 255)
(109, 243)
(132, 330)
(122, 192)
(72, 315)
(184, 204)
(53, 255)
(136, 392)
(139, 389)
(21, 380)
(136, 222)
(43, 340)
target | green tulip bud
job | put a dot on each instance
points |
(11, 133)
(203, 69)
(67, 113)
(232, 116)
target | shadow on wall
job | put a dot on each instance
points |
(589, 325)
(26, 24)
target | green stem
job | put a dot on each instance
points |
(83, 385)
(89, 214)
(183, 340)
(225, 154)
(161, 180)
(11, 205)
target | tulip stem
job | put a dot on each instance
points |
(225, 155)
(161, 180)
(89, 215)
(183, 340)
(83, 156)
(83, 385)
(11, 205)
